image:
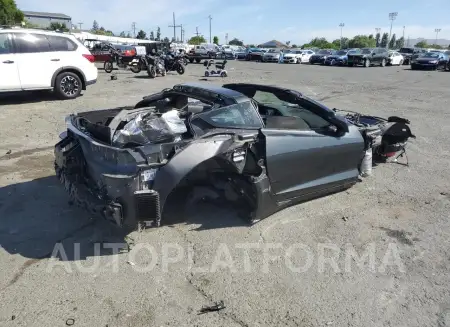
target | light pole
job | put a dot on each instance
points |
(378, 30)
(341, 25)
(392, 17)
(210, 18)
(404, 33)
(437, 30)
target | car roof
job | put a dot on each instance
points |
(33, 30)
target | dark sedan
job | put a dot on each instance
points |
(430, 60)
(321, 56)
(338, 59)
(255, 55)
(261, 148)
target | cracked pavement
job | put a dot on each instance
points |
(400, 211)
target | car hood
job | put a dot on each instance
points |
(427, 58)
(320, 55)
(271, 54)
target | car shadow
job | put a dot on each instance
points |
(37, 219)
(28, 97)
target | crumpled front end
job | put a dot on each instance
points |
(132, 187)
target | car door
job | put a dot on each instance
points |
(36, 62)
(308, 150)
(9, 74)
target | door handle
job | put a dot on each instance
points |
(8, 62)
(54, 59)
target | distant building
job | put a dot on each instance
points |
(273, 44)
(44, 19)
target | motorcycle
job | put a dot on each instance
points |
(175, 64)
(151, 63)
(116, 58)
(155, 66)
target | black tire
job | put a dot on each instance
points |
(191, 60)
(400, 63)
(151, 71)
(68, 85)
(383, 63)
(108, 66)
(367, 63)
(223, 74)
(180, 69)
(206, 73)
(136, 69)
(198, 60)
(350, 65)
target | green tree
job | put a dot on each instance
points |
(236, 42)
(320, 43)
(95, 26)
(166, 40)
(195, 40)
(58, 27)
(392, 41)
(422, 44)
(122, 34)
(384, 40)
(128, 35)
(377, 39)
(152, 36)
(294, 45)
(362, 41)
(158, 34)
(216, 40)
(435, 46)
(9, 13)
(141, 35)
(400, 43)
(251, 45)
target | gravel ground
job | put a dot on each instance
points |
(400, 215)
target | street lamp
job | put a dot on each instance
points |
(341, 25)
(437, 30)
(392, 17)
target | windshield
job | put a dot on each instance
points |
(366, 51)
(323, 52)
(353, 52)
(431, 55)
(341, 53)
(447, 52)
(241, 115)
(406, 50)
(272, 51)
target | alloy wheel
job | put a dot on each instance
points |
(69, 85)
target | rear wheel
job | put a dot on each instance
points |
(197, 60)
(108, 66)
(206, 73)
(383, 62)
(223, 74)
(136, 69)
(367, 63)
(400, 63)
(350, 65)
(68, 85)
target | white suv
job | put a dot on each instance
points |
(43, 60)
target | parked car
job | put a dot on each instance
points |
(410, 53)
(255, 54)
(338, 59)
(239, 140)
(368, 57)
(293, 57)
(32, 59)
(321, 56)
(306, 55)
(241, 53)
(430, 60)
(395, 58)
(272, 55)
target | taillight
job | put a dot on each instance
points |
(89, 57)
(390, 154)
(129, 53)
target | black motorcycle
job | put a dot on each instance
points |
(174, 64)
(152, 63)
(116, 58)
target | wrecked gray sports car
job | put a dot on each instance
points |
(261, 147)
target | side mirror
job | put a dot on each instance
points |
(340, 125)
(373, 54)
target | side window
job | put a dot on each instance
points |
(300, 111)
(5, 44)
(59, 43)
(31, 43)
